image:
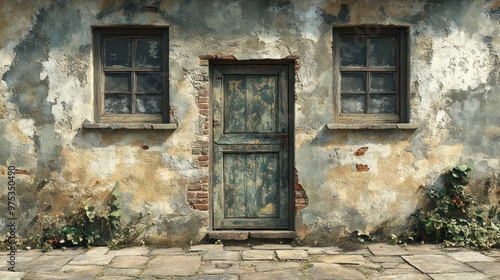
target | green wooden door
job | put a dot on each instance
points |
(251, 146)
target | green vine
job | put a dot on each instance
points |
(89, 224)
(453, 216)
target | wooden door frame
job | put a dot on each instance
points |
(291, 129)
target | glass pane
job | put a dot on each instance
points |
(117, 52)
(353, 103)
(382, 51)
(117, 82)
(149, 82)
(352, 82)
(383, 82)
(148, 53)
(382, 104)
(352, 51)
(149, 104)
(117, 103)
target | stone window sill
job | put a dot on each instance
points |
(388, 126)
(153, 126)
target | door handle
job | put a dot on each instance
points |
(276, 135)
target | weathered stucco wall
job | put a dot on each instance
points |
(46, 93)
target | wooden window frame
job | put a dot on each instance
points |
(400, 68)
(99, 35)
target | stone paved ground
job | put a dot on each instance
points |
(271, 261)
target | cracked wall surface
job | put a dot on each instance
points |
(46, 93)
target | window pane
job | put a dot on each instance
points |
(383, 82)
(148, 53)
(352, 82)
(149, 82)
(117, 82)
(382, 51)
(353, 103)
(380, 104)
(150, 104)
(117, 103)
(352, 51)
(117, 52)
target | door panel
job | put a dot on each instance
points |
(251, 140)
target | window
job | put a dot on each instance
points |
(370, 74)
(131, 75)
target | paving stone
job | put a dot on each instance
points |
(425, 249)
(212, 269)
(129, 261)
(67, 252)
(132, 251)
(44, 263)
(290, 274)
(272, 247)
(387, 250)
(9, 275)
(409, 276)
(81, 271)
(363, 252)
(470, 257)
(121, 271)
(168, 251)
(206, 247)
(390, 265)
(332, 250)
(488, 268)
(327, 271)
(173, 265)
(236, 248)
(115, 278)
(255, 255)
(222, 255)
(291, 254)
(209, 277)
(238, 267)
(341, 259)
(398, 271)
(97, 251)
(91, 259)
(271, 266)
(436, 264)
(454, 276)
(393, 259)
(40, 275)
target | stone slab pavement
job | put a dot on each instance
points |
(270, 261)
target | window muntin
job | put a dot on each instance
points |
(370, 83)
(132, 74)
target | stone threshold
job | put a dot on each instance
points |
(244, 234)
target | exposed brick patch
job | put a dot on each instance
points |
(21, 171)
(361, 151)
(301, 200)
(362, 167)
(197, 195)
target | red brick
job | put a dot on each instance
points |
(203, 158)
(191, 194)
(202, 195)
(205, 179)
(300, 201)
(195, 187)
(205, 187)
(362, 167)
(196, 151)
(206, 131)
(21, 171)
(203, 163)
(203, 99)
(203, 62)
(203, 105)
(202, 207)
(204, 112)
(299, 194)
(203, 93)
